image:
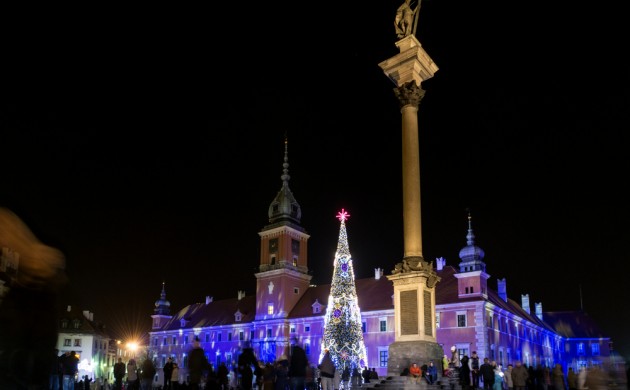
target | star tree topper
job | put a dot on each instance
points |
(343, 215)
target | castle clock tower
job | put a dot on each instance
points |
(283, 272)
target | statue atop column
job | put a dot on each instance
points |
(406, 19)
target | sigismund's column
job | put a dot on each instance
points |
(414, 279)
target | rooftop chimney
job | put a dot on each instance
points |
(208, 299)
(440, 262)
(501, 289)
(378, 272)
(539, 310)
(525, 303)
(69, 308)
(241, 294)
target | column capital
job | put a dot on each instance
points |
(409, 93)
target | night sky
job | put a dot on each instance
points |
(147, 145)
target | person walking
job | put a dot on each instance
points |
(474, 370)
(55, 371)
(119, 374)
(297, 368)
(282, 373)
(508, 377)
(175, 377)
(557, 378)
(168, 370)
(133, 382)
(487, 374)
(327, 371)
(223, 376)
(248, 367)
(572, 379)
(498, 377)
(70, 367)
(147, 374)
(197, 365)
(464, 372)
(519, 376)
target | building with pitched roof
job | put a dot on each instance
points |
(287, 310)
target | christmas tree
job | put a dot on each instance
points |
(343, 331)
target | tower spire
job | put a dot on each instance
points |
(284, 207)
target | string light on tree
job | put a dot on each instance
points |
(343, 331)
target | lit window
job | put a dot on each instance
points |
(437, 319)
(270, 308)
(77, 342)
(382, 358)
(67, 342)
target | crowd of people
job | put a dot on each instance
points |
(472, 373)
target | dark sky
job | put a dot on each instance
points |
(147, 145)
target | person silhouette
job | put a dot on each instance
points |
(28, 305)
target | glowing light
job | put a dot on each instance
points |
(343, 328)
(132, 346)
(343, 215)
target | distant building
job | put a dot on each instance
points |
(287, 310)
(95, 348)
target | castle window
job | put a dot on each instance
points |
(437, 319)
(595, 349)
(383, 356)
(461, 319)
(77, 342)
(268, 332)
(270, 308)
(76, 324)
(64, 323)
(67, 342)
(229, 336)
(307, 328)
(238, 316)
(307, 349)
(292, 329)
(383, 324)
(218, 336)
(241, 335)
(296, 290)
(174, 340)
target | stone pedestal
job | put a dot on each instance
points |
(403, 354)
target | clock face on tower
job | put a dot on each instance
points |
(273, 245)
